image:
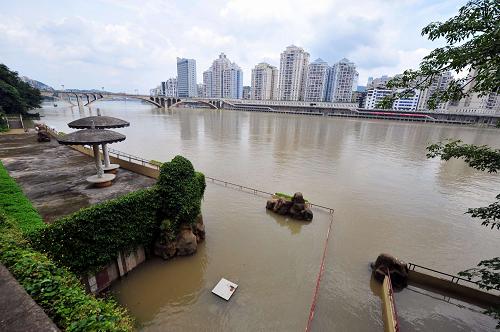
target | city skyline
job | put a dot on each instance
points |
(136, 47)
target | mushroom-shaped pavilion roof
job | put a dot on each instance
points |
(90, 137)
(100, 122)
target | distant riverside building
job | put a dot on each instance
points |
(409, 103)
(169, 87)
(202, 93)
(155, 91)
(186, 78)
(342, 81)
(292, 75)
(375, 95)
(247, 92)
(224, 79)
(439, 83)
(379, 82)
(264, 82)
(316, 81)
(208, 83)
(489, 103)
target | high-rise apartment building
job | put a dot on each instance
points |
(224, 79)
(232, 82)
(342, 77)
(202, 92)
(316, 81)
(208, 83)
(293, 71)
(247, 92)
(439, 83)
(264, 82)
(186, 78)
(169, 87)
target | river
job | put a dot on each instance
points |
(387, 196)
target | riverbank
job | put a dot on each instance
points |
(53, 176)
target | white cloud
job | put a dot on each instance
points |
(128, 44)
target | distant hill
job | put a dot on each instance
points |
(37, 84)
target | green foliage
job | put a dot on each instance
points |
(483, 158)
(488, 275)
(91, 238)
(155, 163)
(168, 231)
(3, 122)
(471, 42)
(56, 289)
(490, 215)
(287, 196)
(479, 157)
(16, 96)
(181, 190)
(16, 205)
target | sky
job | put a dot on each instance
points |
(124, 45)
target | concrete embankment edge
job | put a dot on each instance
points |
(18, 311)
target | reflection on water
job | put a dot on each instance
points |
(388, 197)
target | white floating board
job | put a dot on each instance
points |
(224, 289)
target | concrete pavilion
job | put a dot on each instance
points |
(101, 122)
(94, 137)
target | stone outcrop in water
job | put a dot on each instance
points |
(396, 268)
(295, 208)
(184, 244)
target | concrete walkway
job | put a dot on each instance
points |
(53, 176)
(18, 311)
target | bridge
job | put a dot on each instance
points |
(348, 110)
(87, 98)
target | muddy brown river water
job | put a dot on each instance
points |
(388, 197)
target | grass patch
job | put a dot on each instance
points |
(56, 289)
(287, 196)
(17, 206)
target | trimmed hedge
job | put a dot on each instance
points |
(181, 190)
(55, 289)
(89, 239)
(16, 205)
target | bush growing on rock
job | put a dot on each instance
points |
(180, 189)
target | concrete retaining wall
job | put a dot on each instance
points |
(447, 287)
(124, 263)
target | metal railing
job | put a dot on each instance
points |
(454, 279)
(392, 301)
(132, 158)
(139, 160)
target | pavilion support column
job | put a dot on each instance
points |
(97, 159)
(105, 152)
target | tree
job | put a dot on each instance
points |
(472, 43)
(16, 96)
(482, 158)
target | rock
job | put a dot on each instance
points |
(186, 242)
(165, 251)
(271, 203)
(43, 136)
(199, 229)
(298, 198)
(296, 208)
(397, 269)
(307, 214)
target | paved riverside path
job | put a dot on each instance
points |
(18, 311)
(53, 175)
